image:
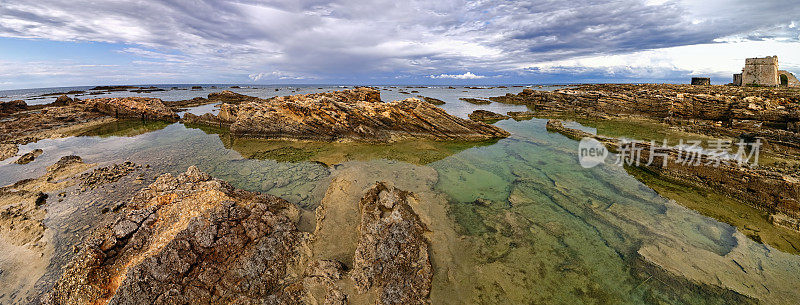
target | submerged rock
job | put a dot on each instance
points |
(475, 101)
(432, 100)
(132, 107)
(349, 115)
(486, 116)
(29, 157)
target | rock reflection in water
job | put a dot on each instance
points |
(418, 152)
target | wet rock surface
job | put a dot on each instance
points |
(349, 115)
(26, 242)
(29, 157)
(475, 101)
(107, 174)
(486, 116)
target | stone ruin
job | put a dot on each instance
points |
(701, 81)
(764, 72)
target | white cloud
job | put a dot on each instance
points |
(467, 75)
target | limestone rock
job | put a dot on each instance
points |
(392, 253)
(132, 107)
(349, 115)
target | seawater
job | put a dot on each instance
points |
(539, 228)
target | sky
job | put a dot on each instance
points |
(53, 43)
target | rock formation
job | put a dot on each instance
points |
(12, 107)
(475, 101)
(29, 157)
(184, 239)
(192, 238)
(392, 254)
(486, 116)
(230, 97)
(349, 115)
(132, 107)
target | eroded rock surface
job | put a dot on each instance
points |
(189, 238)
(392, 254)
(345, 116)
(132, 107)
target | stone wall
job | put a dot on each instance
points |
(737, 79)
(701, 81)
(761, 71)
(792, 80)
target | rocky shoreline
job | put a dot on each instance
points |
(348, 115)
(194, 238)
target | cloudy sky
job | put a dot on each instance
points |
(48, 43)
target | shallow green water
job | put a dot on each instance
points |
(551, 233)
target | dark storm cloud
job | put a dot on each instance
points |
(326, 39)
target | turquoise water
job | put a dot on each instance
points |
(548, 231)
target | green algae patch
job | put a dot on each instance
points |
(750, 221)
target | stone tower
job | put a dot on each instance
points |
(761, 72)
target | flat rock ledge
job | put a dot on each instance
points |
(194, 239)
(348, 115)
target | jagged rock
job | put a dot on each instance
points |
(345, 116)
(392, 253)
(132, 107)
(12, 107)
(231, 97)
(62, 100)
(486, 116)
(29, 157)
(186, 239)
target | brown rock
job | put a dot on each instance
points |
(186, 239)
(230, 97)
(13, 106)
(62, 100)
(29, 157)
(344, 116)
(132, 107)
(486, 116)
(8, 150)
(392, 253)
